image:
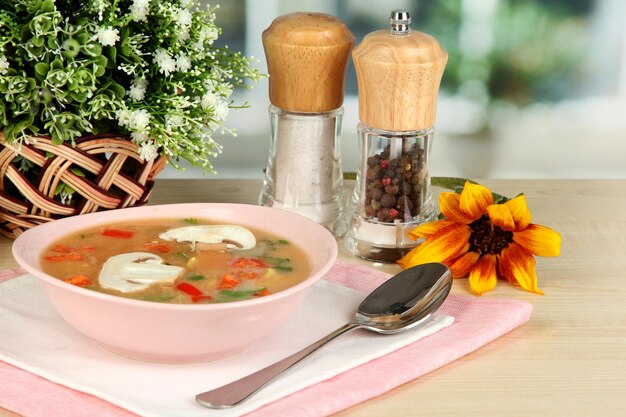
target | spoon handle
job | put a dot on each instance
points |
(237, 391)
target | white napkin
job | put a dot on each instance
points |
(35, 338)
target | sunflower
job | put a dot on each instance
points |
(484, 240)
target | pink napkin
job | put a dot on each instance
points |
(477, 322)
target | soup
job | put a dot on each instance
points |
(177, 261)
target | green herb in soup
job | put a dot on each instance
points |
(162, 261)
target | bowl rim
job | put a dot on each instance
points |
(19, 245)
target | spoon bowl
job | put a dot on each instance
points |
(400, 303)
(405, 300)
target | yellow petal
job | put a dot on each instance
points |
(483, 276)
(474, 200)
(426, 230)
(500, 215)
(519, 211)
(539, 240)
(518, 265)
(448, 243)
(462, 265)
(449, 204)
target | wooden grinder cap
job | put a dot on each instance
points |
(307, 56)
(398, 77)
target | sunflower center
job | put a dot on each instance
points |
(486, 238)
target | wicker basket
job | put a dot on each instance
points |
(110, 175)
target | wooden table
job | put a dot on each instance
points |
(568, 360)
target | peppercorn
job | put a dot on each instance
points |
(388, 200)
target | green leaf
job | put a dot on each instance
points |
(62, 187)
(41, 69)
(57, 64)
(77, 171)
(191, 220)
(38, 41)
(93, 49)
(47, 7)
(111, 53)
(79, 96)
(118, 90)
(280, 264)
(195, 278)
(232, 295)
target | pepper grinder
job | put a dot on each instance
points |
(398, 72)
(307, 55)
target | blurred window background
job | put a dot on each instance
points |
(532, 88)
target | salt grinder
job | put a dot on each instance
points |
(307, 55)
(398, 72)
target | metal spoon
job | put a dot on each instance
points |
(402, 302)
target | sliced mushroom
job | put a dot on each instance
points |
(136, 271)
(235, 237)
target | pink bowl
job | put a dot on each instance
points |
(175, 333)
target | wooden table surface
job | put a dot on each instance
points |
(568, 360)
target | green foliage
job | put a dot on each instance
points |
(145, 68)
(528, 50)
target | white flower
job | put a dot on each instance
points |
(4, 65)
(221, 110)
(183, 63)
(184, 18)
(164, 60)
(209, 33)
(139, 10)
(174, 120)
(139, 137)
(138, 89)
(148, 151)
(123, 116)
(209, 100)
(139, 120)
(107, 36)
(183, 35)
(225, 90)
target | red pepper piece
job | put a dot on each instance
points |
(262, 293)
(121, 233)
(193, 291)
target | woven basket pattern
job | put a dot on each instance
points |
(105, 171)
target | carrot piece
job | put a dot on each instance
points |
(159, 247)
(66, 249)
(64, 257)
(121, 233)
(262, 293)
(228, 281)
(249, 263)
(61, 248)
(79, 280)
(86, 249)
(243, 274)
(193, 291)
